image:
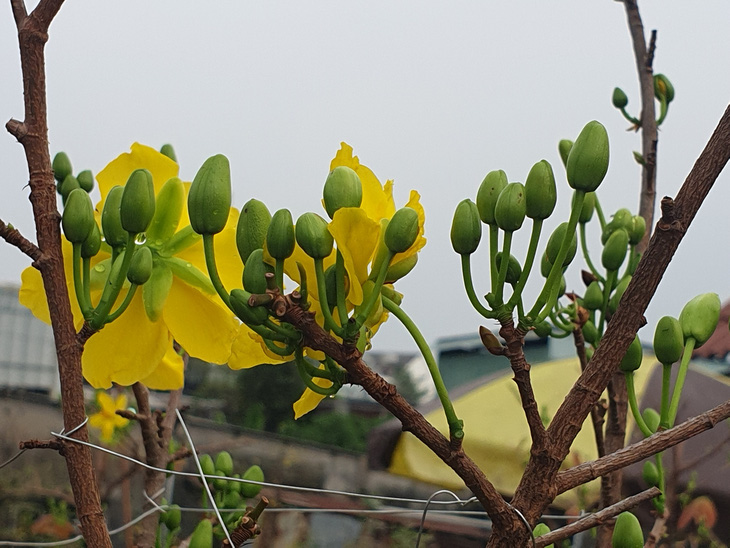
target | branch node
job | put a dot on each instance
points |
(17, 129)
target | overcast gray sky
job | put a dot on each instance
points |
(431, 94)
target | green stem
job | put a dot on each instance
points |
(307, 379)
(279, 272)
(586, 254)
(660, 500)
(529, 261)
(611, 276)
(493, 249)
(663, 109)
(599, 212)
(279, 350)
(549, 294)
(506, 250)
(79, 286)
(209, 249)
(666, 386)
(329, 321)
(122, 307)
(367, 306)
(559, 323)
(303, 291)
(679, 383)
(456, 426)
(340, 281)
(469, 286)
(113, 285)
(635, 406)
(629, 117)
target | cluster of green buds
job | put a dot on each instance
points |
(504, 206)
(138, 233)
(230, 494)
(266, 242)
(674, 341)
(663, 92)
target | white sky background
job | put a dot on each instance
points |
(432, 95)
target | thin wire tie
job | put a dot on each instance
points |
(527, 525)
(428, 503)
(11, 459)
(76, 428)
(202, 476)
(151, 499)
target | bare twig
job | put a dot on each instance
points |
(11, 235)
(599, 518)
(41, 444)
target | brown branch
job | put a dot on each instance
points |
(32, 133)
(288, 309)
(644, 60)
(41, 444)
(599, 518)
(598, 411)
(578, 475)
(11, 235)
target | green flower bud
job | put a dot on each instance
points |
(250, 315)
(650, 474)
(250, 490)
(651, 418)
(619, 98)
(622, 219)
(86, 180)
(234, 486)
(168, 151)
(232, 499)
(92, 243)
(588, 159)
(510, 211)
(542, 529)
(514, 270)
(202, 536)
(627, 532)
(593, 298)
(699, 317)
(341, 189)
(541, 195)
(376, 313)
(168, 208)
(589, 205)
(209, 199)
(206, 463)
(313, 236)
(156, 289)
(663, 88)
(138, 202)
(543, 329)
(398, 270)
(111, 221)
(466, 228)
(614, 251)
(402, 230)
(172, 517)
(556, 241)
(564, 147)
(392, 294)
(78, 217)
(140, 267)
(280, 239)
(61, 166)
(545, 265)
(632, 359)
(589, 353)
(590, 333)
(254, 272)
(224, 463)
(489, 191)
(637, 230)
(668, 340)
(253, 224)
(69, 183)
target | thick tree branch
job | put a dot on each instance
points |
(638, 451)
(11, 235)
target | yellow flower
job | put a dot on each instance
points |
(183, 307)
(106, 419)
(357, 232)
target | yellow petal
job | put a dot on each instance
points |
(126, 350)
(204, 327)
(414, 203)
(357, 237)
(248, 351)
(309, 399)
(106, 403)
(118, 170)
(169, 374)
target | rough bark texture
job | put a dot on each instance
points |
(32, 133)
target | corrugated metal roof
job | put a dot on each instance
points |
(27, 350)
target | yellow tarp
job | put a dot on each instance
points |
(496, 434)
